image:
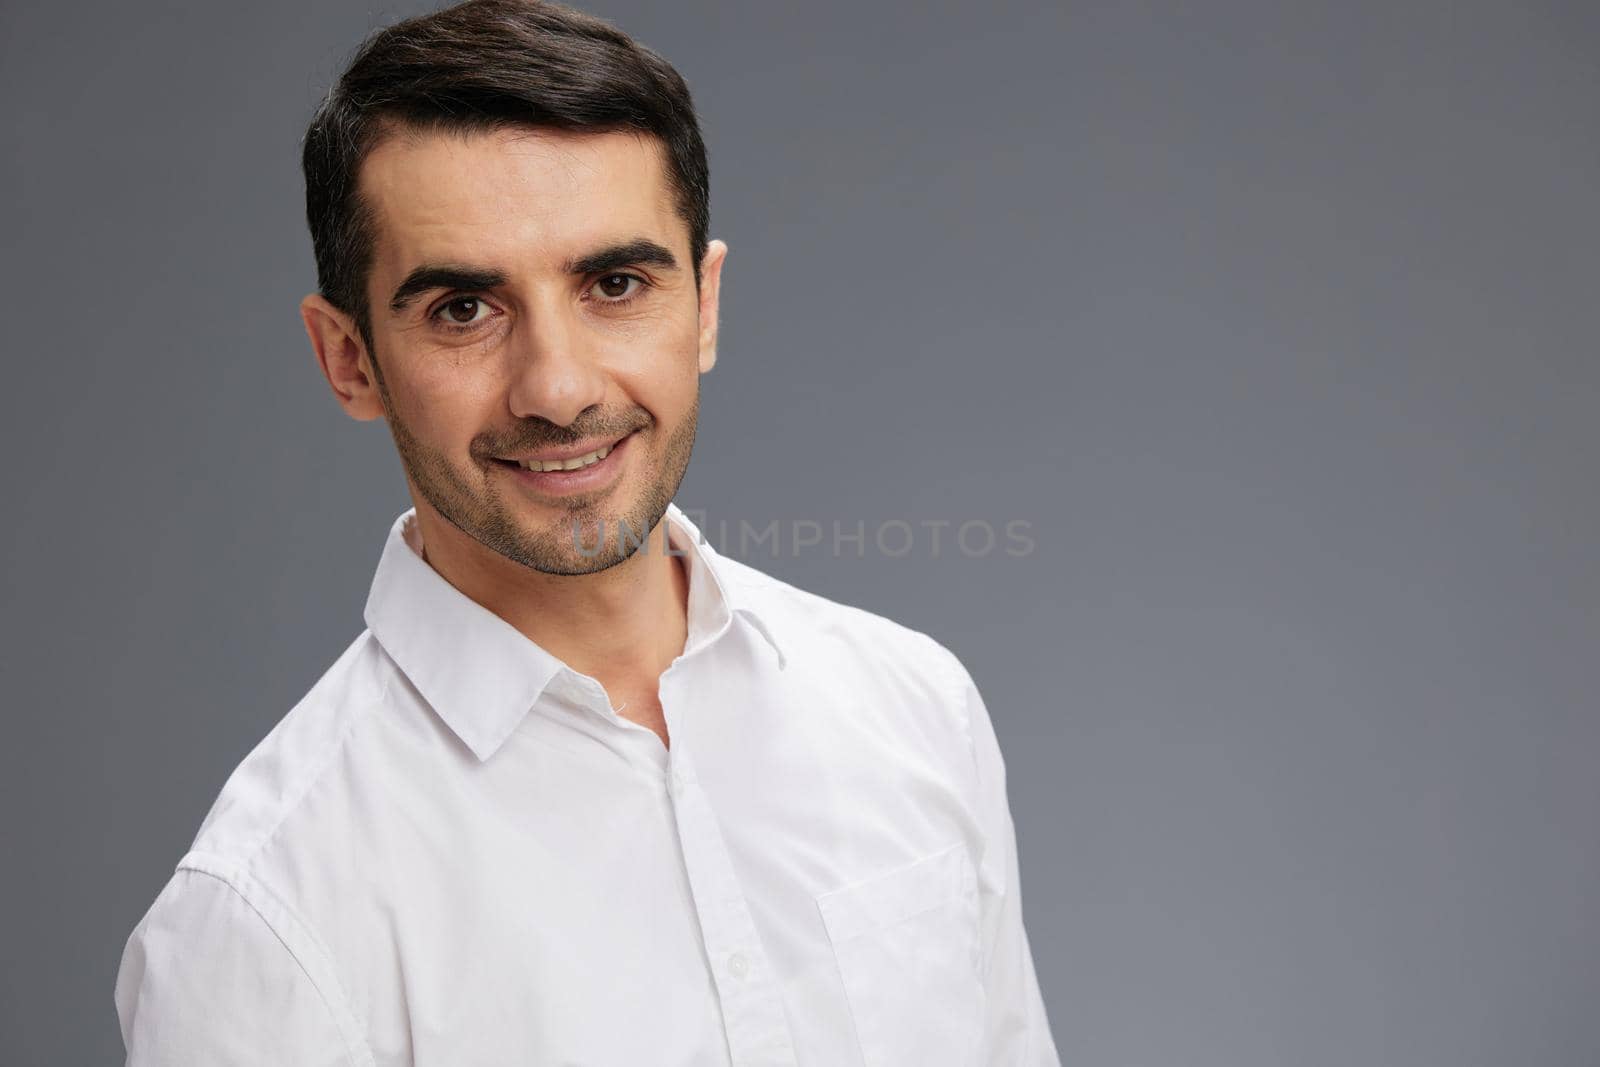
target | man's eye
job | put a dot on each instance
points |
(615, 287)
(461, 311)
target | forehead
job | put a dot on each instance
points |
(521, 198)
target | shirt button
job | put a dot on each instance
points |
(738, 965)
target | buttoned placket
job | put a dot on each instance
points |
(752, 1009)
(753, 1017)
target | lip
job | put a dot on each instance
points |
(569, 453)
(583, 480)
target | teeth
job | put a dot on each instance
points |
(566, 464)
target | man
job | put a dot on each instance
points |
(585, 791)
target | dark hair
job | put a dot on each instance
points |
(479, 66)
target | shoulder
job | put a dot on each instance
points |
(303, 747)
(849, 642)
(219, 931)
(817, 615)
(191, 981)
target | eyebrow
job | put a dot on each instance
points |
(429, 276)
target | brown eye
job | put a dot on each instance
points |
(462, 310)
(615, 286)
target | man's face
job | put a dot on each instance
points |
(531, 293)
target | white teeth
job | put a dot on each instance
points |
(568, 464)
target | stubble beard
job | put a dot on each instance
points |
(584, 540)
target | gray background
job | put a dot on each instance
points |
(1275, 320)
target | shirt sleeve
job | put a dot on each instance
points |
(205, 979)
(1016, 1030)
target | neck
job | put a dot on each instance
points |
(627, 622)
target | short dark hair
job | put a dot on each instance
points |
(479, 66)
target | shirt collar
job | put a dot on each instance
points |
(478, 671)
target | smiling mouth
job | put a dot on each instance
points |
(588, 459)
(581, 473)
(565, 463)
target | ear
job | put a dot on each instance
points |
(343, 357)
(710, 290)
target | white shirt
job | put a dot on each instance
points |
(452, 851)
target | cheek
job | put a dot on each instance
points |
(663, 375)
(446, 406)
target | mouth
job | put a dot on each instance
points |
(581, 473)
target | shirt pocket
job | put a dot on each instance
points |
(906, 942)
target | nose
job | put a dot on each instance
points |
(555, 371)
